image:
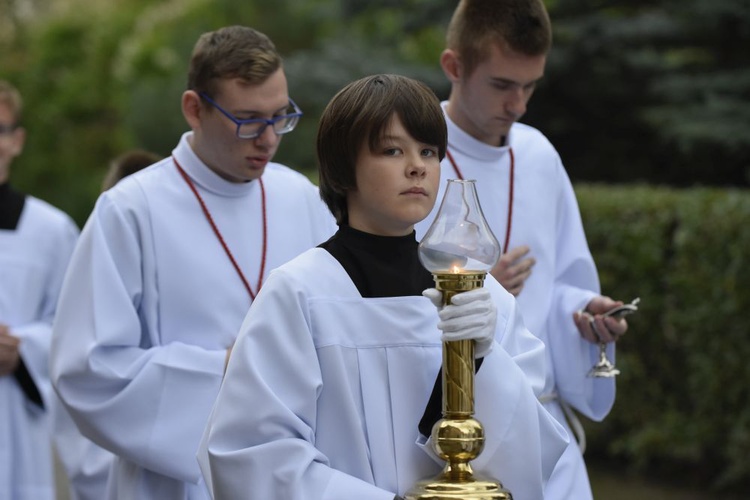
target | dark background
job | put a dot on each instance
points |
(635, 91)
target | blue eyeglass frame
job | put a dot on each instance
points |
(264, 121)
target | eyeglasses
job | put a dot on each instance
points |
(254, 127)
(7, 129)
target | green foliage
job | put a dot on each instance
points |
(70, 115)
(683, 392)
(316, 75)
(659, 86)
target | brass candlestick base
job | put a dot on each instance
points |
(458, 441)
(458, 438)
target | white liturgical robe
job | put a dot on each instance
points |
(33, 260)
(545, 217)
(325, 390)
(152, 302)
(85, 464)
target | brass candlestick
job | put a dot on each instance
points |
(458, 437)
(458, 250)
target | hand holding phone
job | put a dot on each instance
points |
(604, 367)
(623, 310)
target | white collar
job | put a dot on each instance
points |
(461, 142)
(202, 175)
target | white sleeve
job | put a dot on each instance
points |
(144, 401)
(523, 442)
(36, 335)
(261, 432)
(525, 348)
(576, 283)
(86, 464)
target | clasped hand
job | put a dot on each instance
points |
(9, 351)
(471, 315)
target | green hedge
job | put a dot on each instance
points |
(683, 397)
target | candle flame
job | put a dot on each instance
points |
(455, 269)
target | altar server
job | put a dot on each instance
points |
(495, 54)
(36, 241)
(169, 262)
(336, 360)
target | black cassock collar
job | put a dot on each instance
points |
(380, 266)
(11, 206)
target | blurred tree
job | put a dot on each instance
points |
(70, 109)
(649, 90)
(652, 90)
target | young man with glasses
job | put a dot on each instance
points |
(36, 241)
(169, 262)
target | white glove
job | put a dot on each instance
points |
(471, 315)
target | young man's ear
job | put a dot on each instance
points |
(19, 139)
(451, 65)
(191, 108)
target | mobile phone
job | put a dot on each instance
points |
(623, 310)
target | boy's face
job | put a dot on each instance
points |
(215, 138)
(11, 140)
(488, 101)
(396, 184)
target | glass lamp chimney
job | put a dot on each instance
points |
(459, 240)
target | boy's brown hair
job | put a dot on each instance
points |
(361, 112)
